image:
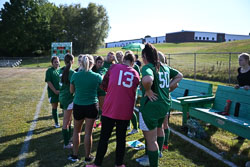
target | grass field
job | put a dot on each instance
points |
(21, 89)
(214, 67)
(20, 92)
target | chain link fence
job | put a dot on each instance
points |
(207, 66)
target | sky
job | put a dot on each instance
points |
(133, 19)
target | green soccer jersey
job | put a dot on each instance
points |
(86, 84)
(102, 71)
(160, 86)
(106, 65)
(65, 97)
(137, 68)
(52, 75)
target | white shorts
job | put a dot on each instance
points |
(70, 106)
(142, 124)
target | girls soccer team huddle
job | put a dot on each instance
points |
(108, 89)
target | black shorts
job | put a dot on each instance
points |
(85, 111)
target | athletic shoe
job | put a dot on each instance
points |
(165, 147)
(94, 126)
(133, 132)
(57, 126)
(145, 162)
(89, 160)
(69, 146)
(120, 165)
(73, 158)
(99, 125)
(142, 158)
(160, 155)
(93, 165)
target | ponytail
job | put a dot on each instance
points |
(68, 59)
(151, 55)
(87, 62)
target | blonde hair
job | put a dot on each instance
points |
(119, 52)
(162, 57)
(87, 62)
(129, 52)
(245, 56)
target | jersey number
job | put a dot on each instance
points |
(129, 79)
(164, 79)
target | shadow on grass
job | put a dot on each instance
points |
(46, 150)
(60, 115)
(233, 154)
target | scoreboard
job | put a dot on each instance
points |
(60, 49)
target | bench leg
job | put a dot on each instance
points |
(184, 115)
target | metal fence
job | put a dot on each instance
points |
(208, 66)
(26, 61)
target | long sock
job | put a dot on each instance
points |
(153, 158)
(167, 133)
(55, 115)
(65, 133)
(160, 141)
(134, 121)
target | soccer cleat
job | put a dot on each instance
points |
(69, 146)
(142, 158)
(89, 160)
(57, 126)
(93, 165)
(165, 147)
(145, 162)
(73, 158)
(99, 125)
(133, 132)
(94, 126)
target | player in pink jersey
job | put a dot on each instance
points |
(120, 82)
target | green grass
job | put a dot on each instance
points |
(20, 92)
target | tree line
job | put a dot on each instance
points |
(28, 27)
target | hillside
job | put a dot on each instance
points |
(191, 47)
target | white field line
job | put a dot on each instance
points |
(210, 152)
(23, 153)
(196, 144)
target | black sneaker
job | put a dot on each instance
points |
(89, 160)
(73, 158)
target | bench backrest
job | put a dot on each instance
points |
(192, 88)
(241, 96)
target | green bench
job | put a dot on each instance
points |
(239, 125)
(189, 89)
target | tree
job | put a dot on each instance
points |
(30, 25)
(85, 27)
(24, 26)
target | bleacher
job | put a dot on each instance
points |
(10, 62)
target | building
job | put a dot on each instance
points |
(182, 36)
(123, 43)
(198, 36)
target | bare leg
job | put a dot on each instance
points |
(88, 136)
(76, 135)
